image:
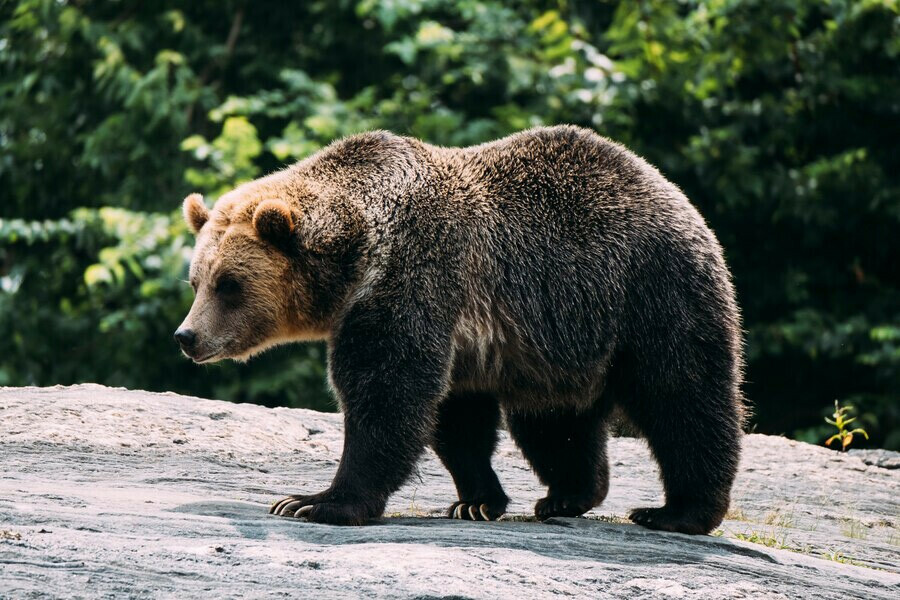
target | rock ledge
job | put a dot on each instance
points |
(115, 493)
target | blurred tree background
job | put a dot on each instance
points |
(779, 118)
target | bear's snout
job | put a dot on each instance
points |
(186, 338)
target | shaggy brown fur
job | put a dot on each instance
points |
(549, 277)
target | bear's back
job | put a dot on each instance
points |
(562, 236)
(563, 165)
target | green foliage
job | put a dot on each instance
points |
(778, 119)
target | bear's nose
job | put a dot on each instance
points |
(185, 338)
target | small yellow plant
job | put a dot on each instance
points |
(841, 558)
(841, 421)
(776, 538)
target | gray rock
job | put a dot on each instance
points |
(115, 493)
(886, 459)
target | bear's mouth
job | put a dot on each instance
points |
(207, 357)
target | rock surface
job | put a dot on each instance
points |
(114, 493)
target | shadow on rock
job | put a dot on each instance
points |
(562, 538)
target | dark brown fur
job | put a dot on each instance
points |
(549, 276)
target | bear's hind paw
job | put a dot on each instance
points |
(475, 511)
(665, 518)
(563, 506)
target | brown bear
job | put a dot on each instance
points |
(549, 277)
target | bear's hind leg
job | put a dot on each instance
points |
(464, 440)
(567, 450)
(694, 434)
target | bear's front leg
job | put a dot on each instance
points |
(389, 369)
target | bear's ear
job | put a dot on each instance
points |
(195, 212)
(273, 222)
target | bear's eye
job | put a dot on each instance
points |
(228, 286)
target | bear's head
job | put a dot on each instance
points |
(253, 289)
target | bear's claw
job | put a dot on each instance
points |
(286, 507)
(323, 508)
(473, 511)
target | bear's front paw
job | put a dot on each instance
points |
(290, 505)
(477, 510)
(324, 508)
